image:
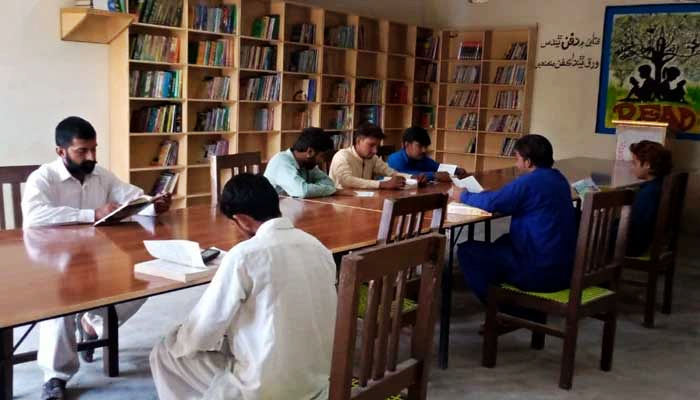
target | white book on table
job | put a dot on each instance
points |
(463, 209)
(178, 260)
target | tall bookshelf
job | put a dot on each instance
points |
(363, 68)
(486, 80)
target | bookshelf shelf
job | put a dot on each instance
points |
(303, 74)
(339, 48)
(146, 169)
(161, 27)
(432, 60)
(155, 134)
(259, 71)
(209, 33)
(500, 133)
(209, 133)
(259, 39)
(160, 63)
(503, 86)
(198, 195)
(92, 26)
(212, 101)
(505, 110)
(221, 67)
(254, 132)
(159, 99)
(202, 165)
(259, 102)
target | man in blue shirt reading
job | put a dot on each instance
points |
(538, 253)
(295, 171)
(413, 159)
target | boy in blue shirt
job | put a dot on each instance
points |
(538, 253)
(413, 159)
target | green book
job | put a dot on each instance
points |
(257, 28)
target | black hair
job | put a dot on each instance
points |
(71, 128)
(252, 195)
(416, 134)
(314, 138)
(369, 130)
(537, 149)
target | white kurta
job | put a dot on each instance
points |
(53, 196)
(263, 329)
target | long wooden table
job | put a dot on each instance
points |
(50, 272)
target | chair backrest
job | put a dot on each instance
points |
(404, 217)
(14, 176)
(385, 268)
(668, 218)
(597, 262)
(384, 151)
(236, 164)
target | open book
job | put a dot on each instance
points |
(584, 186)
(179, 260)
(127, 209)
(463, 209)
(470, 183)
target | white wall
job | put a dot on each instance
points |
(43, 80)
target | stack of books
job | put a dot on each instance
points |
(264, 119)
(159, 12)
(508, 148)
(304, 90)
(221, 19)
(398, 93)
(342, 119)
(213, 88)
(517, 51)
(426, 72)
(157, 84)
(213, 120)
(340, 93)
(369, 92)
(507, 99)
(467, 121)
(465, 98)
(157, 48)
(157, 119)
(218, 53)
(266, 27)
(167, 154)
(469, 51)
(510, 75)
(340, 141)
(341, 36)
(466, 74)
(302, 119)
(303, 61)
(165, 183)
(217, 148)
(427, 47)
(266, 88)
(303, 33)
(424, 117)
(258, 57)
(510, 123)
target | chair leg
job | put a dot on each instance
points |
(568, 355)
(609, 326)
(668, 289)
(537, 339)
(490, 346)
(6, 365)
(650, 301)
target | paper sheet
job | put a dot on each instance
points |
(449, 168)
(360, 193)
(470, 183)
(183, 252)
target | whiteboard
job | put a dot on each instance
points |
(629, 134)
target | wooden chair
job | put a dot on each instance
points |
(236, 163)
(385, 268)
(14, 176)
(594, 283)
(661, 259)
(384, 151)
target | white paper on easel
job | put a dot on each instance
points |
(630, 134)
(449, 168)
(183, 252)
(470, 183)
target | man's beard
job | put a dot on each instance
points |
(84, 168)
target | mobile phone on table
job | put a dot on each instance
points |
(209, 254)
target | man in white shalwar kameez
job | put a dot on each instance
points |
(263, 329)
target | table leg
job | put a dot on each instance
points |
(446, 302)
(487, 231)
(6, 364)
(110, 359)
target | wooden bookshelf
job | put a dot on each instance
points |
(80, 24)
(500, 87)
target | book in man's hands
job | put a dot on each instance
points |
(127, 209)
(584, 186)
(178, 260)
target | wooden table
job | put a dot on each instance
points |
(55, 271)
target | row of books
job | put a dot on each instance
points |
(258, 57)
(341, 36)
(340, 141)
(304, 90)
(466, 74)
(213, 88)
(342, 119)
(510, 75)
(426, 71)
(303, 33)
(165, 183)
(214, 148)
(471, 146)
(467, 121)
(509, 99)
(214, 19)
(465, 98)
(398, 93)
(213, 120)
(159, 12)
(505, 123)
(422, 94)
(302, 119)
(161, 84)
(157, 48)
(508, 148)
(157, 119)
(469, 50)
(107, 5)
(264, 119)
(265, 88)
(266, 27)
(371, 114)
(167, 154)
(427, 47)
(424, 117)
(218, 53)
(369, 92)
(340, 93)
(517, 51)
(303, 61)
